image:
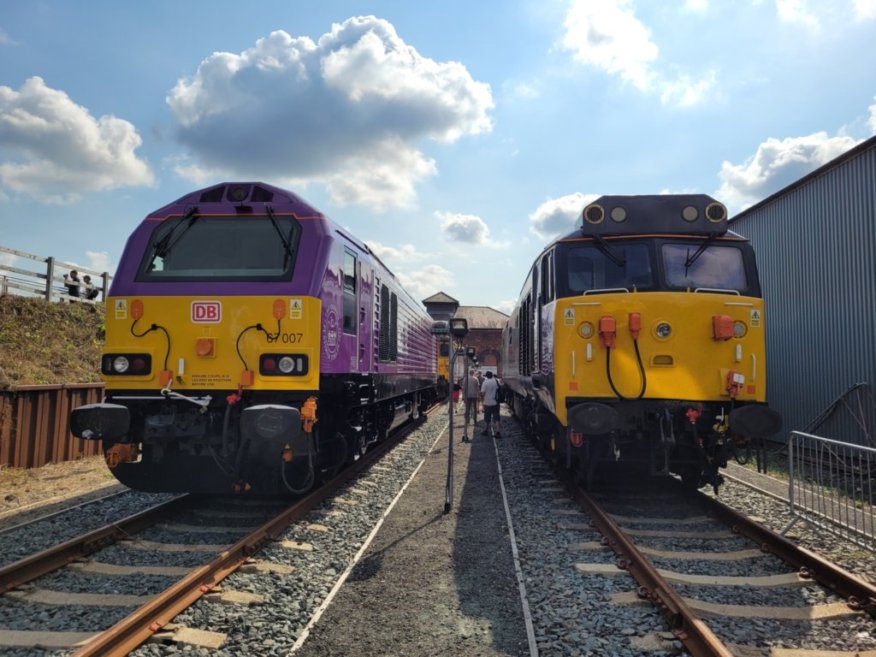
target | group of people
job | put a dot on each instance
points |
(481, 390)
(80, 288)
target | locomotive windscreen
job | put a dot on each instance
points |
(717, 267)
(195, 247)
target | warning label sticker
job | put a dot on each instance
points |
(121, 308)
(296, 309)
(754, 320)
(569, 316)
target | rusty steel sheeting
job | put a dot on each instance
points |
(35, 424)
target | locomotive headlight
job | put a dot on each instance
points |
(286, 364)
(739, 329)
(663, 330)
(585, 330)
(121, 364)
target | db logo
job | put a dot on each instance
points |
(206, 312)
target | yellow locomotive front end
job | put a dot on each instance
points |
(647, 342)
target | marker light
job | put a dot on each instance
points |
(585, 330)
(121, 364)
(286, 364)
(663, 330)
(739, 329)
(618, 214)
(690, 213)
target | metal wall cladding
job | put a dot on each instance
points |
(816, 251)
(35, 424)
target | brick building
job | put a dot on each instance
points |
(485, 326)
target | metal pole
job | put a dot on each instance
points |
(448, 489)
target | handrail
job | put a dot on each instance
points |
(28, 282)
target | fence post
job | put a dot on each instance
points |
(105, 278)
(50, 277)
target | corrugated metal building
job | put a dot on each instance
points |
(815, 242)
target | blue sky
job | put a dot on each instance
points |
(456, 138)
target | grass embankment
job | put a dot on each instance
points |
(42, 342)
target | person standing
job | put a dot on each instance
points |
(471, 392)
(489, 394)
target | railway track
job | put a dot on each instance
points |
(725, 584)
(83, 576)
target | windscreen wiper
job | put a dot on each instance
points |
(164, 245)
(620, 261)
(287, 243)
(702, 249)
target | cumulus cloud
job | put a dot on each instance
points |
(425, 282)
(557, 216)
(55, 150)
(99, 261)
(608, 36)
(404, 253)
(776, 164)
(466, 228)
(796, 11)
(871, 122)
(347, 111)
(696, 6)
(864, 9)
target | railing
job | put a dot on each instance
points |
(35, 424)
(44, 283)
(830, 486)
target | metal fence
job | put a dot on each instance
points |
(46, 280)
(35, 424)
(830, 485)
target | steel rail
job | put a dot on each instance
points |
(39, 564)
(859, 594)
(699, 640)
(133, 630)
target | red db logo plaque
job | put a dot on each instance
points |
(206, 312)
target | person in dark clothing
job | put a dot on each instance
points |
(73, 283)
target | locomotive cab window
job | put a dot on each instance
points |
(195, 247)
(611, 266)
(716, 267)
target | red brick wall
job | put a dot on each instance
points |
(487, 344)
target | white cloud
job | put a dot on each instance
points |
(404, 253)
(5, 40)
(796, 11)
(871, 122)
(557, 216)
(99, 261)
(696, 6)
(864, 9)
(608, 36)
(347, 111)
(776, 164)
(427, 281)
(55, 150)
(505, 305)
(466, 228)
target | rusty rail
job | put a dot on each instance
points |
(696, 636)
(35, 424)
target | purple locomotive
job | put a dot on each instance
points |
(252, 345)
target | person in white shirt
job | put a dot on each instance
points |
(489, 389)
